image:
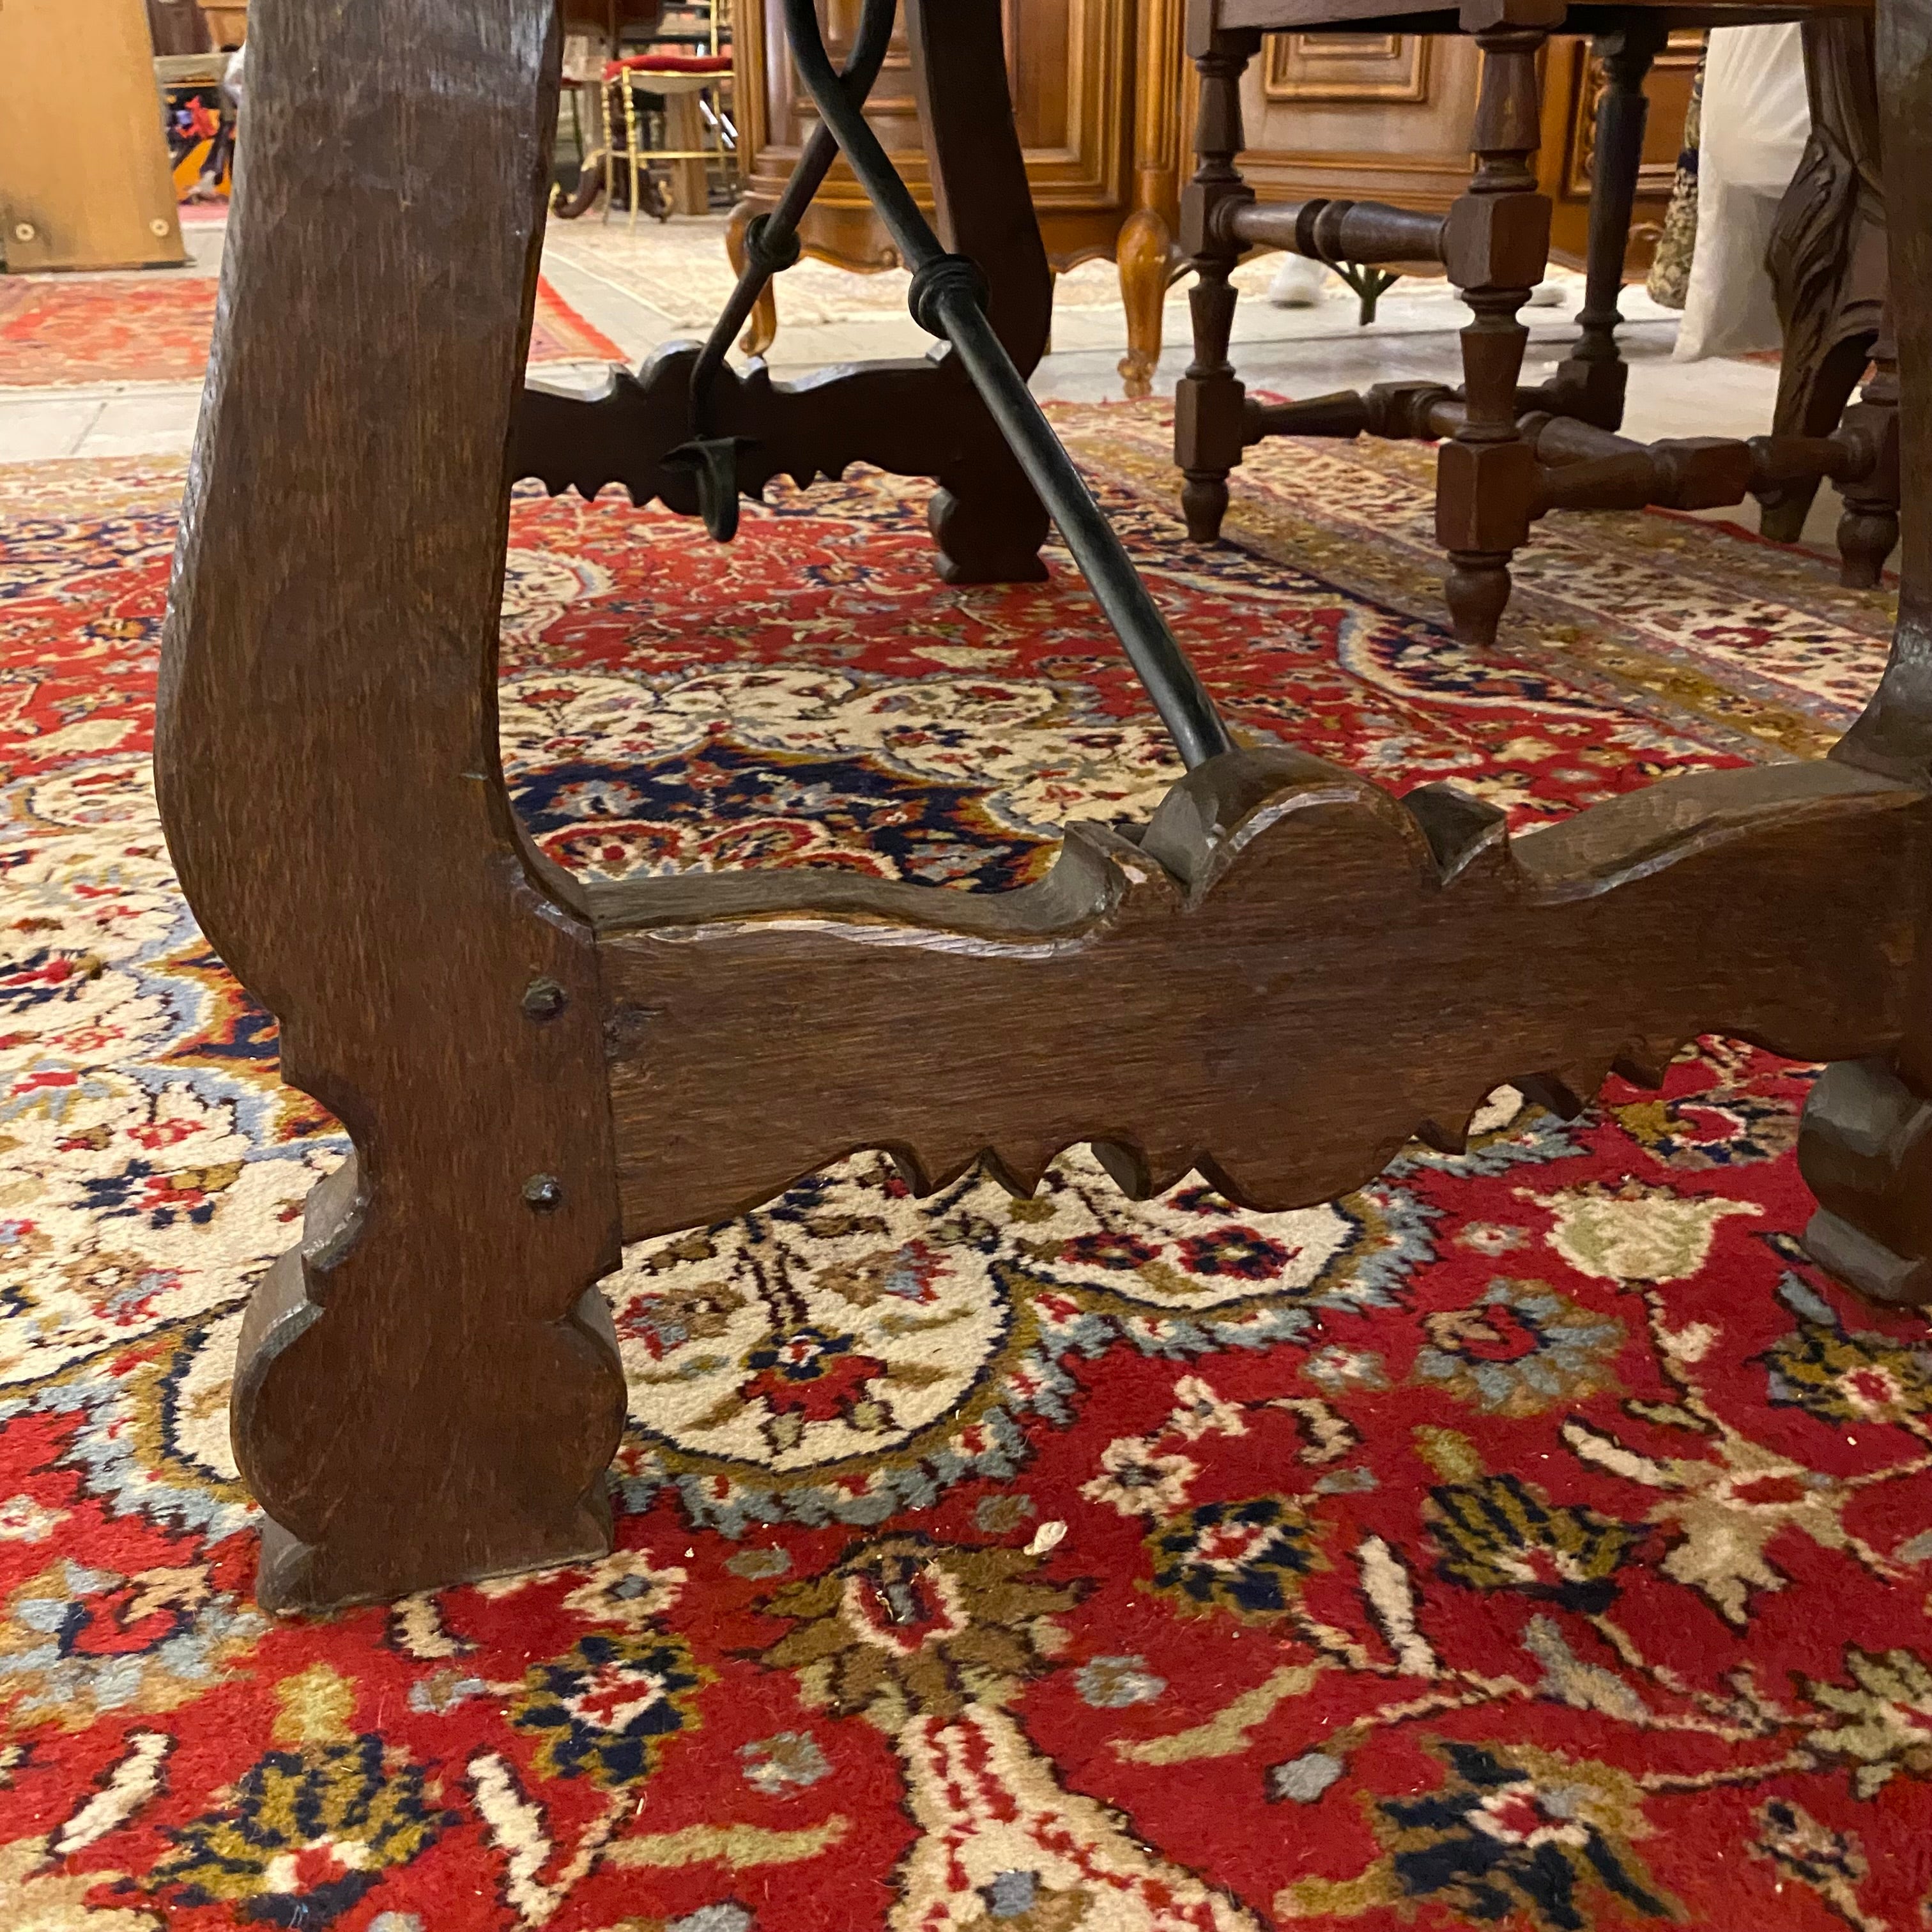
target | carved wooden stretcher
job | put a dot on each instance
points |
(1287, 973)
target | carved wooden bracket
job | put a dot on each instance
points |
(916, 418)
(1289, 974)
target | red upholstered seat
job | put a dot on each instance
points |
(669, 64)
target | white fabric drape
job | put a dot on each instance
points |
(1756, 122)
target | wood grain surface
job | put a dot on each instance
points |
(428, 1387)
(1289, 974)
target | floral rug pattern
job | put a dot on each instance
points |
(64, 329)
(1534, 1539)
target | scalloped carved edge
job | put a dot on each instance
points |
(1285, 976)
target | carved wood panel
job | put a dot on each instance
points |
(1384, 117)
(1346, 66)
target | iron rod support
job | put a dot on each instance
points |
(946, 303)
(780, 228)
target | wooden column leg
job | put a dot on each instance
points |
(1496, 245)
(1208, 416)
(1144, 254)
(1865, 1144)
(986, 520)
(1590, 381)
(428, 1388)
(1868, 529)
(684, 130)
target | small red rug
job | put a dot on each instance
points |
(57, 330)
(1534, 1540)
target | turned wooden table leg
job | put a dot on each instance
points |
(1208, 418)
(1865, 1145)
(1868, 529)
(1496, 247)
(429, 1389)
(1591, 380)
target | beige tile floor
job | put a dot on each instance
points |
(1295, 352)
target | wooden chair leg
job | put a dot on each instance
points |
(1590, 381)
(1868, 529)
(1496, 246)
(428, 1389)
(1144, 254)
(1209, 421)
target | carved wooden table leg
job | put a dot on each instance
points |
(762, 331)
(1496, 247)
(1209, 421)
(1145, 254)
(1827, 253)
(1865, 1148)
(1590, 381)
(428, 1387)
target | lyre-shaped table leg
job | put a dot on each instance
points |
(429, 1389)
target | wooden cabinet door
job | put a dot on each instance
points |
(1069, 64)
(1375, 117)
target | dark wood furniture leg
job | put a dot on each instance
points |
(1496, 246)
(1589, 382)
(1868, 529)
(919, 417)
(1827, 253)
(1865, 1146)
(429, 1388)
(1209, 421)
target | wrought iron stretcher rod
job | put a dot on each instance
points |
(771, 240)
(946, 301)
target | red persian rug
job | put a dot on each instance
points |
(60, 329)
(1534, 1540)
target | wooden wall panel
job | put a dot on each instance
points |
(1387, 116)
